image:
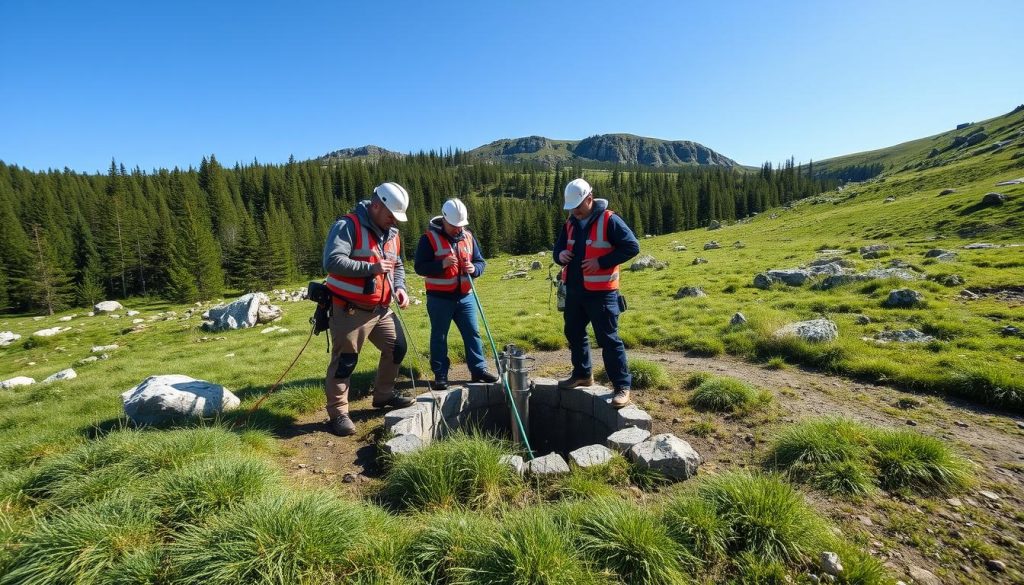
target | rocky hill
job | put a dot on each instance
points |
(368, 152)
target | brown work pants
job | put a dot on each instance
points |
(349, 330)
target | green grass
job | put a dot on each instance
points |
(845, 457)
(722, 394)
(461, 471)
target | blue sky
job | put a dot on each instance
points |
(160, 84)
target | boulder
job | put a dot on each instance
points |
(515, 462)
(903, 336)
(828, 269)
(690, 291)
(245, 312)
(842, 262)
(874, 248)
(550, 464)
(169, 397)
(699, 260)
(712, 245)
(667, 454)
(950, 280)
(815, 330)
(993, 199)
(68, 374)
(792, 277)
(625, 439)
(980, 246)
(862, 319)
(51, 331)
(16, 381)
(8, 337)
(737, 320)
(738, 245)
(947, 192)
(107, 307)
(591, 455)
(680, 248)
(535, 265)
(903, 298)
(103, 348)
(763, 281)
(830, 564)
(646, 261)
(714, 224)
(131, 313)
(889, 200)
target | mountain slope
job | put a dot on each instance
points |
(625, 149)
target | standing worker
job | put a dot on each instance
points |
(447, 256)
(364, 267)
(590, 247)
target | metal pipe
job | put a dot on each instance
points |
(516, 370)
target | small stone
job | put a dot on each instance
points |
(911, 423)
(738, 319)
(830, 563)
(303, 466)
(1020, 425)
(961, 424)
(991, 496)
(349, 478)
(955, 502)
(865, 520)
(996, 566)
(924, 577)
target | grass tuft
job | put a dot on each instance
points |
(913, 461)
(724, 394)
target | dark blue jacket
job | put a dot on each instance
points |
(619, 235)
(425, 263)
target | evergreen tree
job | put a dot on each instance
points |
(195, 272)
(45, 284)
(243, 265)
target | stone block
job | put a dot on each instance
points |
(403, 445)
(546, 392)
(667, 454)
(477, 396)
(515, 462)
(591, 455)
(622, 441)
(632, 416)
(551, 464)
(578, 400)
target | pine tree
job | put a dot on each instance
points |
(45, 284)
(195, 271)
(243, 267)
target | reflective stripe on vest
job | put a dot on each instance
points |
(365, 290)
(448, 281)
(604, 279)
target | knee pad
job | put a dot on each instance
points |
(346, 365)
(401, 345)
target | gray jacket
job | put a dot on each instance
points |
(341, 239)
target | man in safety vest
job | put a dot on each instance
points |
(364, 267)
(448, 256)
(590, 247)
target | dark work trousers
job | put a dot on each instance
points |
(602, 311)
(442, 312)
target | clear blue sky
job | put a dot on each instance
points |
(160, 84)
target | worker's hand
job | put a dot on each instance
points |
(403, 298)
(468, 267)
(591, 266)
(565, 257)
(383, 266)
(448, 261)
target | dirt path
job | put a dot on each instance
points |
(953, 538)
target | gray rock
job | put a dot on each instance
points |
(828, 269)
(591, 455)
(947, 192)
(536, 265)
(874, 248)
(889, 200)
(792, 277)
(699, 260)
(737, 320)
(8, 337)
(87, 360)
(51, 331)
(240, 314)
(815, 330)
(993, 199)
(951, 280)
(980, 246)
(1009, 330)
(550, 464)
(690, 291)
(903, 298)
(515, 462)
(995, 566)
(132, 313)
(646, 261)
(167, 397)
(712, 245)
(763, 281)
(904, 336)
(268, 313)
(936, 252)
(107, 307)
(680, 248)
(16, 381)
(65, 319)
(103, 348)
(623, 440)
(68, 374)
(923, 576)
(830, 563)
(412, 420)
(403, 445)
(632, 416)
(667, 454)
(714, 225)
(971, 296)
(738, 245)
(863, 319)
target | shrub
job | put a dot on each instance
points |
(629, 541)
(722, 394)
(647, 374)
(695, 524)
(277, 539)
(765, 517)
(463, 470)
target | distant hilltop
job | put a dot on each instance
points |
(626, 149)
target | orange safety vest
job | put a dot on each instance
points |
(605, 279)
(365, 290)
(449, 281)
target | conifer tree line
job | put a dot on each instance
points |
(73, 239)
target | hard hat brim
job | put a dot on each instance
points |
(400, 215)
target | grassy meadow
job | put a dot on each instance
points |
(86, 498)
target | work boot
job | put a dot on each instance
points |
(396, 401)
(439, 385)
(486, 377)
(620, 398)
(342, 426)
(575, 382)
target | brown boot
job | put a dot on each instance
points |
(342, 426)
(573, 382)
(620, 398)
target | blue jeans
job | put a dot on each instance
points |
(442, 312)
(601, 311)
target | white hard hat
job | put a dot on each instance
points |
(575, 192)
(395, 198)
(455, 212)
